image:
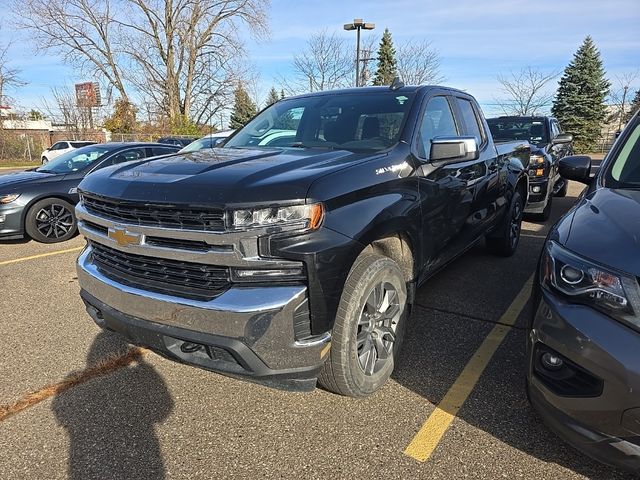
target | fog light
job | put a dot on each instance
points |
(536, 189)
(551, 361)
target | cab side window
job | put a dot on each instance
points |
(437, 121)
(471, 121)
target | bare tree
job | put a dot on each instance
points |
(9, 77)
(621, 96)
(525, 91)
(84, 32)
(418, 63)
(64, 110)
(325, 64)
(176, 54)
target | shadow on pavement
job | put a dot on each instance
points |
(455, 311)
(110, 419)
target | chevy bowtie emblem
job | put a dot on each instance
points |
(124, 238)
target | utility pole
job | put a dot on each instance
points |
(357, 25)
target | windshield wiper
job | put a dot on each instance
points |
(44, 170)
(302, 145)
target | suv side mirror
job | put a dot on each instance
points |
(453, 149)
(563, 138)
(576, 167)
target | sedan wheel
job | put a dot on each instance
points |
(51, 220)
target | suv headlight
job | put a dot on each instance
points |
(4, 199)
(308, 216)
(582, 281)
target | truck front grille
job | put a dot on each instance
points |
(171, 277)
(165, 216)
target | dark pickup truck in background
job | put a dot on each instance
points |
(295, 264)
(548, 146)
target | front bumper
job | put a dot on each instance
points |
(246, 332)
(537, 200)
(11, 221)
(605, 426)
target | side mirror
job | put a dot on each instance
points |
(563, 138)
(219, 142)
(453, 149)
(576, 167)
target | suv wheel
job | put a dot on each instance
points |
(45, 160)
(505, 241)
(369, 327)
(51, 220)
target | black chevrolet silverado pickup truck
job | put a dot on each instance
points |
(295, 264)
(548, 146)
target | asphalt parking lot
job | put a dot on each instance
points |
(141, 416)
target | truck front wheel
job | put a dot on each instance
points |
(369, 327)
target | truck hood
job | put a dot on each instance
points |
(17, 178)
(217, 177)
(606, 228)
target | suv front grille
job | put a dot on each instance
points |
(170, 277)
(165, 216)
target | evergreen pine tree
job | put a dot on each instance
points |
(635, 106)
(243, 108)
(579, 102)
(282, 94)
(387, 68)
(272, 97)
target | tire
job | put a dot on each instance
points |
(51, 220)
(45, 160)
(565, 188)
(364, 328)
(546, 213)
(505, 241)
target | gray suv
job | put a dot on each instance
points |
(583, 347)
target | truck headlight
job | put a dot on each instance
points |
(308, 216)
(582, 281)
(4, 199)
(536, 166)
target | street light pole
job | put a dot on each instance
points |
(357, 25)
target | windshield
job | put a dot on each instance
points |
(625, 168)
(350, 121)
(201, 144)
(532, 130)
(75, 160)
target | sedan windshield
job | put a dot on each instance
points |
(201, 144)
(625, 169)
(350, 121)
(75, 160)
(532, 130)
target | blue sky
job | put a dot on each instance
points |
(476, 39)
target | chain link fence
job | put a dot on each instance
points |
(26, 146)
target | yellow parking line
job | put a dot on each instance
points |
(432, 431)
(42, 255)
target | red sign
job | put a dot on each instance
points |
(88, 94)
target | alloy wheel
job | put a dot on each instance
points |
(54, 221)
(516, 223)
(377, 328)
